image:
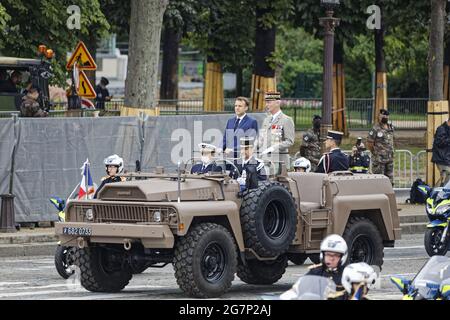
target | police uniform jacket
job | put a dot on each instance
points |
(106, 180)
(202, 169)
(335, 160)
(251, 165)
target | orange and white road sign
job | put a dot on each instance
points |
(85, 88)
(83, 57)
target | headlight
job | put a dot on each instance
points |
(157, 216)
(443, 209)
(89, 214)
(429, 209)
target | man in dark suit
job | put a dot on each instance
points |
(238, 126)
(335, 159)
(208, 164)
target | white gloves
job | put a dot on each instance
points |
(267, 151)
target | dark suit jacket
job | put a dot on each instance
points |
(198, 168)
(336, 160)
(247, 127)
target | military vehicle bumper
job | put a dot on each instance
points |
(82, 233)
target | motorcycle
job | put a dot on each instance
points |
(64, 255)
(308, 287)
(438, 211)
(432, 282)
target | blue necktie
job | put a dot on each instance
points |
(236, 124)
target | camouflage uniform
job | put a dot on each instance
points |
(383, 150)
(310, 148)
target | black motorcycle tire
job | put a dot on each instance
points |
(63, 261)
(432, 243)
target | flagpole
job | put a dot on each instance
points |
(86, 182)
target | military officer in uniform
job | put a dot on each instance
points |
(249, 160)
(310, 147)
(335, 159)
(278, 131)
(208, 164)
(381, 143)
(114, 166)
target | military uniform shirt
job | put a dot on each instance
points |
(310, 148)
(383, 143)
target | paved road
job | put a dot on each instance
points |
(36, 278)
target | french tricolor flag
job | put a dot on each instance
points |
(87, 188)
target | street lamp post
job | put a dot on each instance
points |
(329, 23)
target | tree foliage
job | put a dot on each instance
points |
(26, 24)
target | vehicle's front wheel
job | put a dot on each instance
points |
(263, 272)
(103, 269)
(205, 261)
(64, 261)
(433, 244)
(364, 241)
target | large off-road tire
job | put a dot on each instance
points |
(262, 272)
(205, 261)
(364, 241)
(297, 258)
(64, 260)
(268, 219)
(433, 244)
(102, 270)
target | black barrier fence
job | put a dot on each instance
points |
(42, 157)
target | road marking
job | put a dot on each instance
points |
(2, 284)
(29, 293)
(401, 259)
(61, 285)
(405, 248)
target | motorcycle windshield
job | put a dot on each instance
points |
(447, 187)
(433, 272)
(310, 288)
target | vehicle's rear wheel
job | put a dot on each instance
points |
(64, 260)
(297, 258)
(433, 244)
(103, 269)
(268, 219)
(263, 272)
(364, 241)
(205, 261)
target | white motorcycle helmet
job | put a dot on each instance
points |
(303, 163)
(358, 273)
(114, 160)
(334, 243)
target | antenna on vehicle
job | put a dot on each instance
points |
(179, 181)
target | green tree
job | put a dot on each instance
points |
(26, 24)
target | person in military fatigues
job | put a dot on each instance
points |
(114, 166)
(381, 143)
(310, 147)
(278, 131)
(335, 159)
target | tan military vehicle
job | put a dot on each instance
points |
(210, 231)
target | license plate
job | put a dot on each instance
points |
(77, 231)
